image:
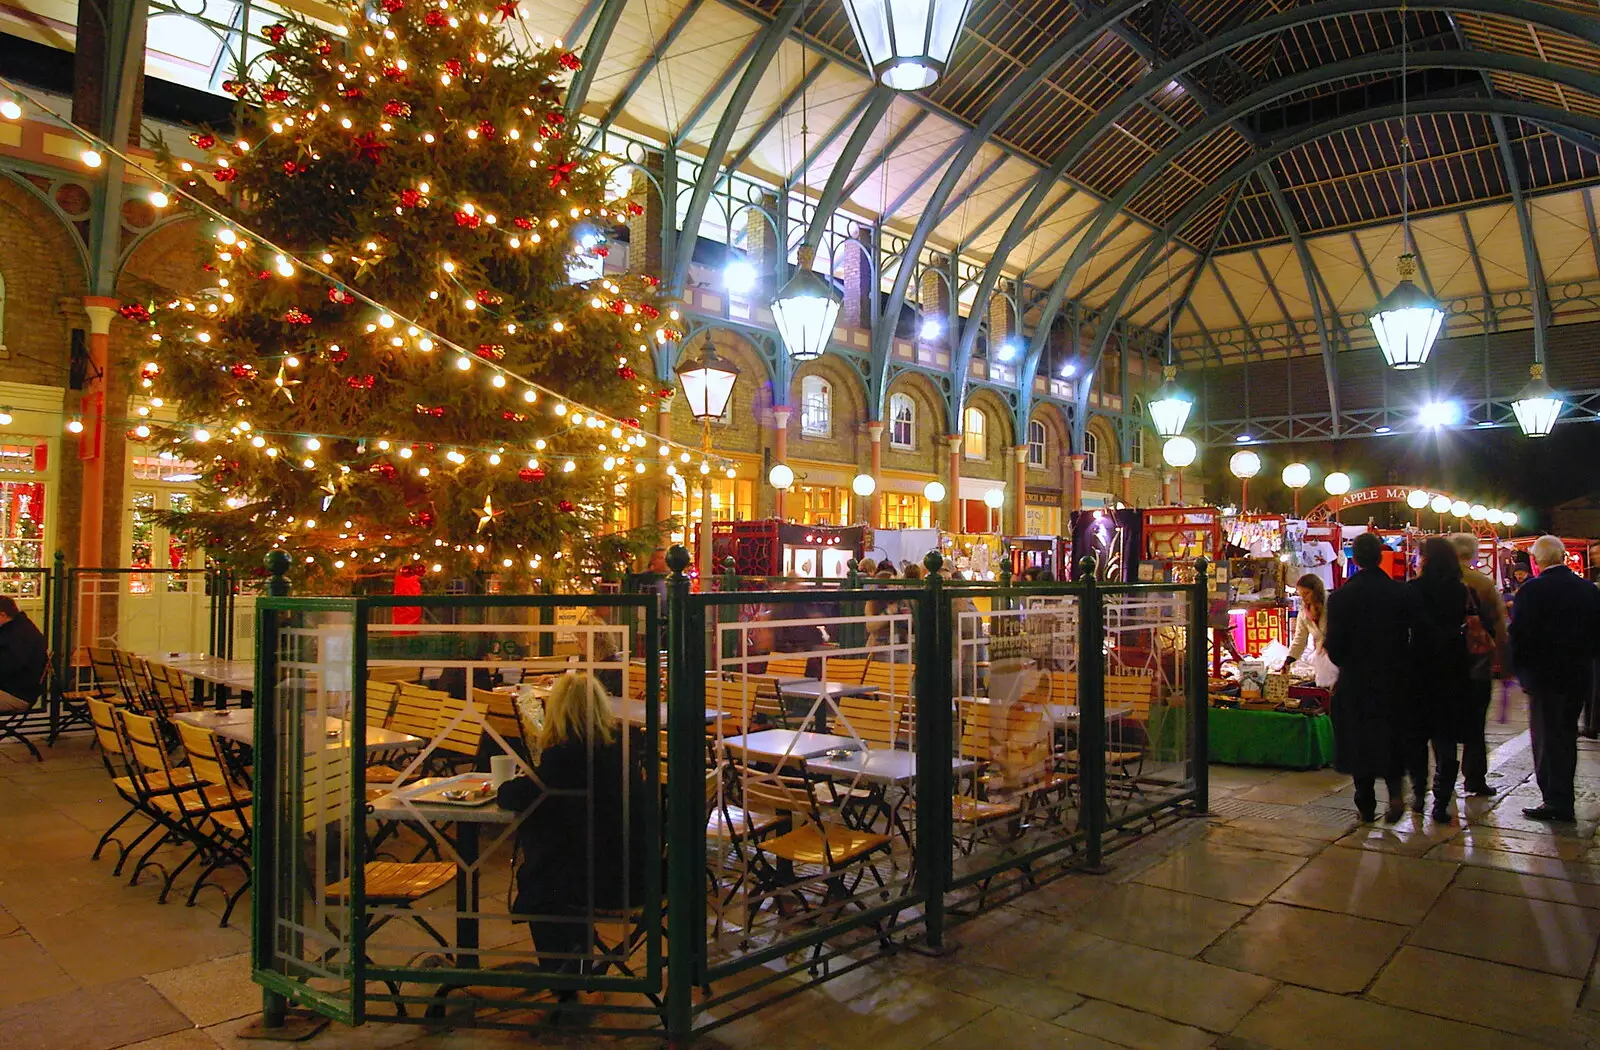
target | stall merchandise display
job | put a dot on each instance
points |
(1112, 538)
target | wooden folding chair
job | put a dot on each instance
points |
(222, 813)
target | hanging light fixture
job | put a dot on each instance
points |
(806, 307)
(907, 42)
(1170, 409)
(1337, 483)
(1407, 320)
(707, 384)
(1537, 406)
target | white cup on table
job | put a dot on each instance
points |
(502, 768)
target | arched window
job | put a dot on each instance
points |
(975, 435)
(816, 407)
(1091, 452)
(1036, 440)
(902, 422)
(1138, 446)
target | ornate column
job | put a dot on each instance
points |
(953, 486)
(1075, 480)
(1127, 483)
(875, 501)
(1166, 488)
(780, 454)
(1019, 490)
(91, 442)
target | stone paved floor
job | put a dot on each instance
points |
(1278, 923)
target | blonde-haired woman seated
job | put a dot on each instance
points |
(582, 844)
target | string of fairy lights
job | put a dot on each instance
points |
(573, 416)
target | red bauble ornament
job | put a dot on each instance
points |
(565, 506)
(486, 129)
(665, 393)
(323, 47)
(627, 372)
(369, 147)
(275, 33)
(490, 351)
(531, 473)
(392, 6)
(602, 251)
(571, 61)
(423, 519)
(395, 108)
(134, 312)
(225, 174)
(339, 356)
(436, 19)
(629, 421)
(487, 298)
(522, 224)
(435, 411)
(351, 93)
(513, 417)
(203, 140)
(363, 382)
(635, 209)
(453, 66)
(468, 219)
(293, 168)
(263, 275)
(393, 72)
(295, 315)
(236, 88)
(274, 94)
(649, 311)
(341, 297)
(242, 371)
(411, 198)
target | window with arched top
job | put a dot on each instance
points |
(1137, 456)
(975, 434)
(1036, 443)
(1091, 452)
(902, 422)
(816, 407)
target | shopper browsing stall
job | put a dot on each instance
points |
(1441, 669)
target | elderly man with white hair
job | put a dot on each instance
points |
(1555, 631)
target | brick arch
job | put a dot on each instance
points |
(752, 395)
(165, 259)
(1058, 445)
(1110, 450)
(848, 441)
(43, 275)
(1001, 439)
(928, 452)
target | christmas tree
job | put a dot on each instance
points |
(390, 368)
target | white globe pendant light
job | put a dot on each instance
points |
(1170, 409)
(907, 42)
(804, 310)
(864, 485)
(1245, 465)
(1417, 499)
(1337, 483)
(781, 476)
(933, 491)
(1179, 451)
(1537, 406)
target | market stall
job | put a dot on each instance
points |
(778, 548)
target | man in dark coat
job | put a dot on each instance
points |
(1369, 631)
(1555, 627)
(22, 658)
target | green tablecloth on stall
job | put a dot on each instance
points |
(1271, 738)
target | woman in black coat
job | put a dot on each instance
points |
(1440, 668)
(583, 845)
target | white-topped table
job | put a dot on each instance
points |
(238, 675)
(239, 726)
(882, 766)
(787, 743)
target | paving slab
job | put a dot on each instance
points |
(1319, 949)
(1521, 931)
(1491, 994)
(1223, 872)
(1368, 884)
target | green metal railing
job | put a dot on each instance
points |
(954, 820)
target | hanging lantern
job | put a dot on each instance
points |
(1537, 406)
(1337, 483)
(933, 491)
(781, 476)
(1170, 409)
(707, 384)
(906, 42)
(804, 310)
(1406, 321)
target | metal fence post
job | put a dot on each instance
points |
(1199, 690)
(263, 894)
(934, 707)
(60, 648)
(685, 820)
(1092, 713)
